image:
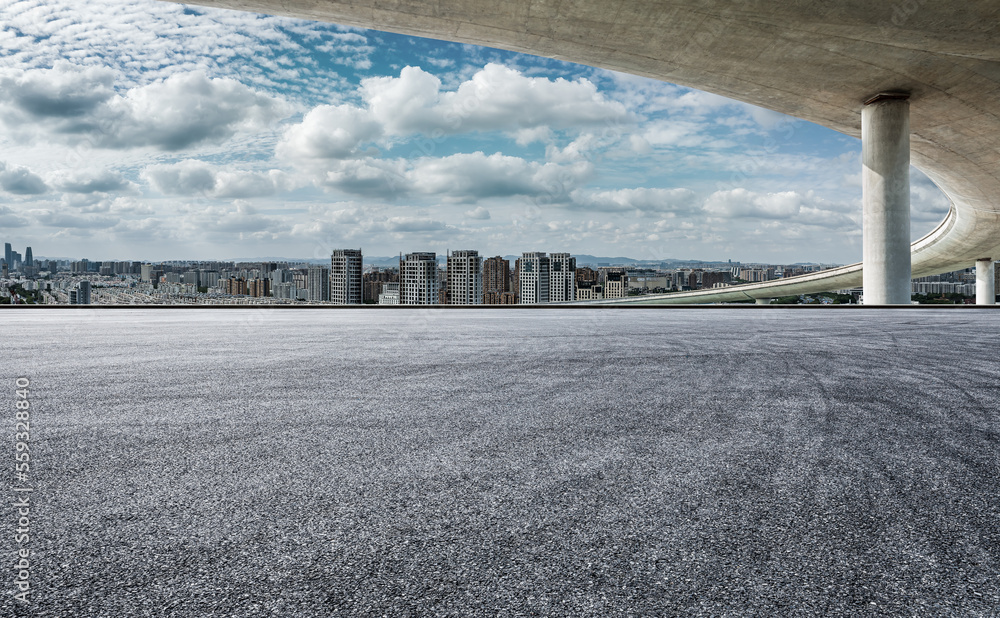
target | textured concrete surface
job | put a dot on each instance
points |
(985, 282)
(757, 462)
(814, 59)
(885, 180)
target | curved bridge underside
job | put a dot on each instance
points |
(814, 59)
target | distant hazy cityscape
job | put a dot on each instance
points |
(418, 278)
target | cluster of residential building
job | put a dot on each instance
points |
(465, 279)
(961, 282)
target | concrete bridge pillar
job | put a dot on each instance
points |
(985, 283)
(885, 177)
(762, 301)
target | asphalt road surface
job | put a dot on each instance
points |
(596, 463)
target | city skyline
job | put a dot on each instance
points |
(312, 136)
(460, 277)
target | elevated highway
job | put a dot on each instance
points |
(819, 60)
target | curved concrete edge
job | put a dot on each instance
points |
(925, 262)
(840, 278)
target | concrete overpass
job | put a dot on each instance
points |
(813, 59)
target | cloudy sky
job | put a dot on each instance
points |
(146, 130)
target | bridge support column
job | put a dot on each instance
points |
(985, 283)
(885, 177)
(762, 301)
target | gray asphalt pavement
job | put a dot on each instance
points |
(507, 463)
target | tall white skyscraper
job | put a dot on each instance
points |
(533, 277)
(562, 278)
(418, 279)
(345, 276)
(318, 283)
(465, 278)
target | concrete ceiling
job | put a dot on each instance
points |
(815, 59)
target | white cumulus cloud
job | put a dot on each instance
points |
(20, 180)
(330, 132)
(650, 200)
(478, 213)
(472, 176)
(68, 104)
(743, 203)
(191, 177)
(495, 98)
(90, 181)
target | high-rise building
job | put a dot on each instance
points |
(208, 278)
(345, 277)
(680, 277)
(754, 275)
(442, 286)
(7, 255)
(418, 279)
(236, 286)
(465, 278)
(28, 259)
(80, 295)
(374, 281)
(515, 281)
(496, 280)
(615, 283)
(259, 288)
(715, 278)
(589, 290)
(318, 283)
(285, 290)
(533, 275)
(562, 278)
(279, 275)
